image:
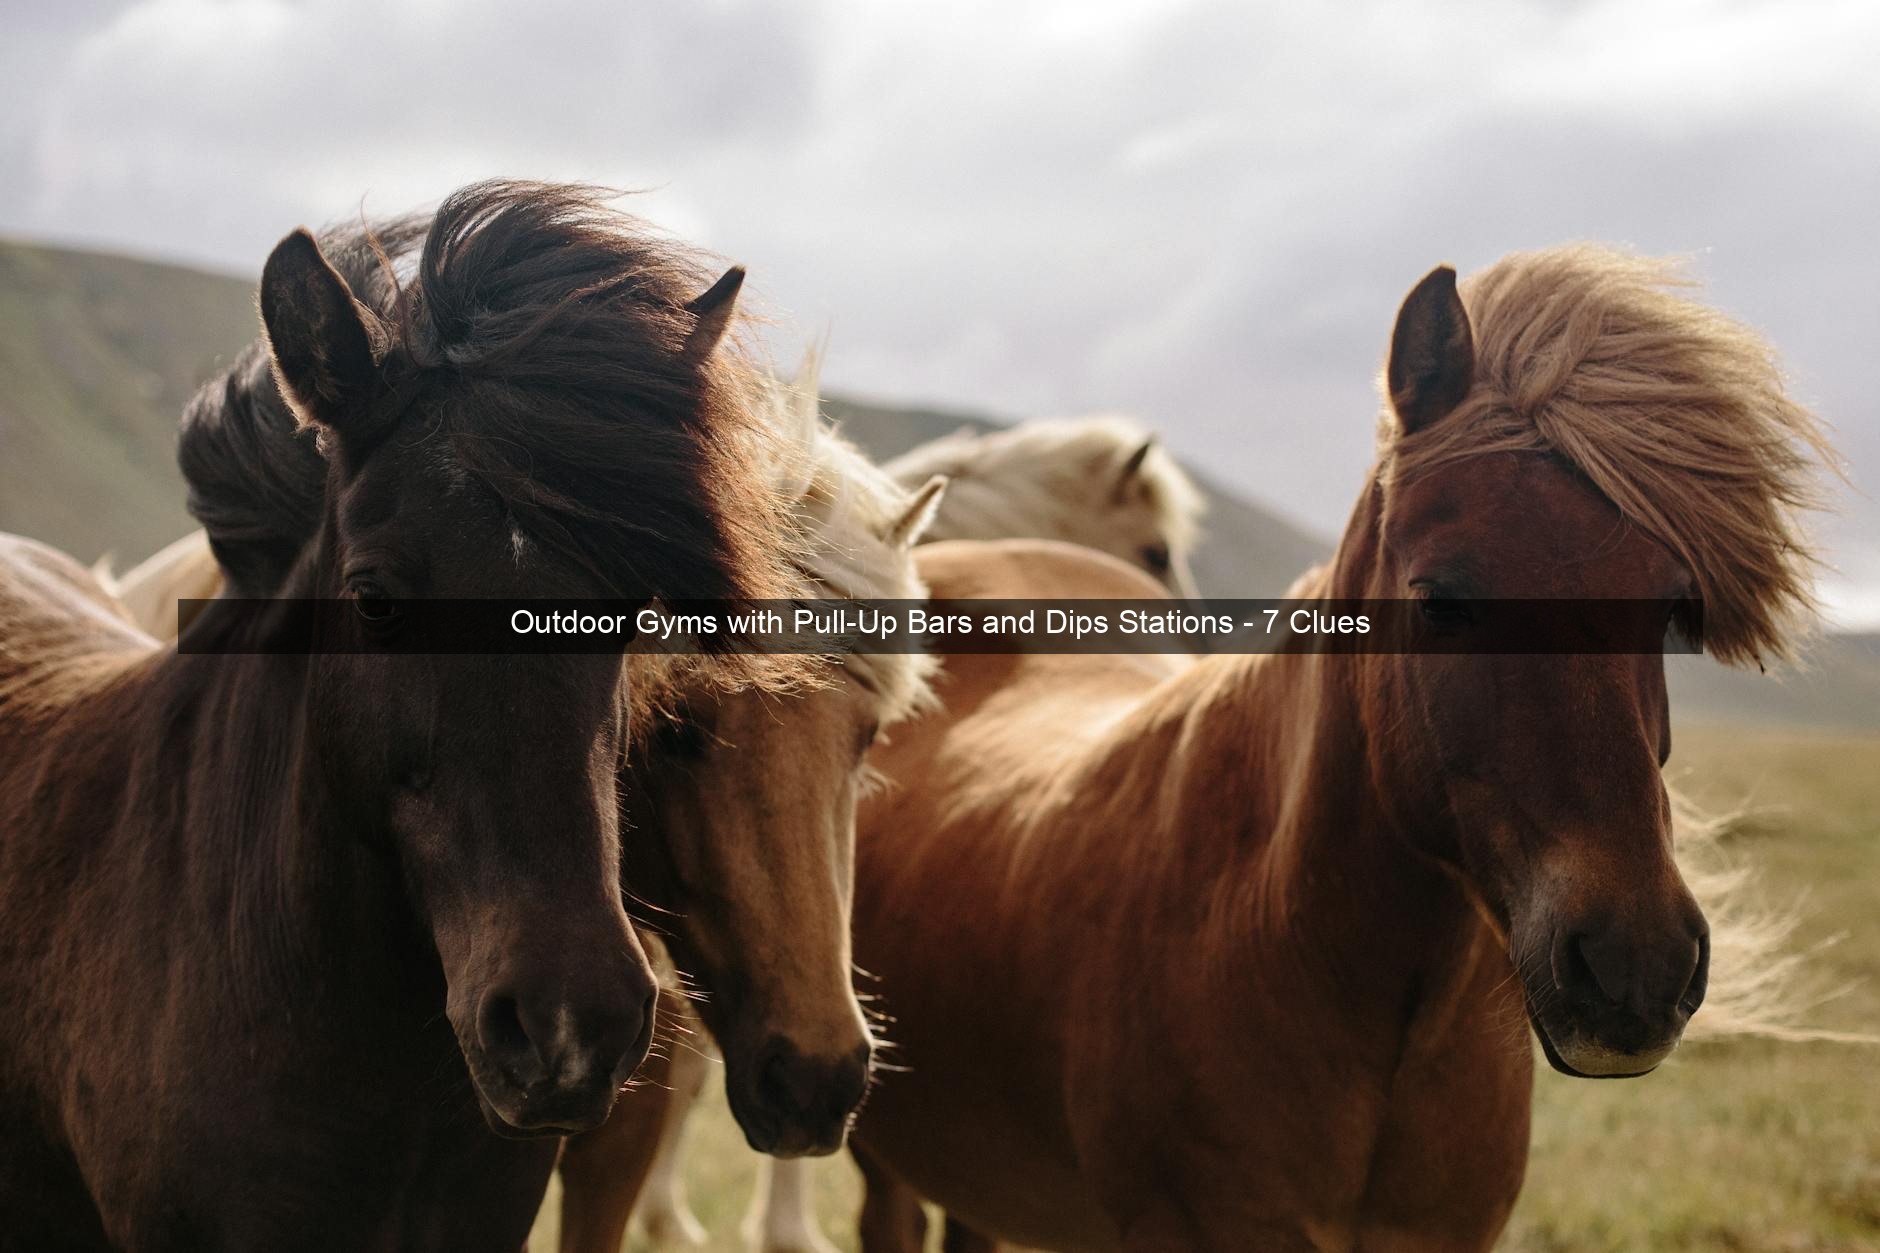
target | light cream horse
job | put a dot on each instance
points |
(1104, 482)
(153, 590)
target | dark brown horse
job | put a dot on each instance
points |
(738, 811)
(325, 949)
(738, 857)
(1236, 955)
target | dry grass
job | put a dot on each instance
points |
(1746, 1144)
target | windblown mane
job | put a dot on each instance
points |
(544, 332)
(843, 507)
(256, 481)
(1673, 411)
(1050, 478)
(1678, 416)
(838, 508)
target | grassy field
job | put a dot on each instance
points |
(1743, 1145)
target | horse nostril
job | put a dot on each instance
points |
(852, 1080)
(640, 1040)
(1700, 977)
(505, 1039)
(1614, 970)
(786, 1085)
(1573, 968)
(1597, 967)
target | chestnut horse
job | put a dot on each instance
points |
(323, 948)
(1233, 954)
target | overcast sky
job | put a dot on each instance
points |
(1203, 212)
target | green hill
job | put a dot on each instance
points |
(98, 354)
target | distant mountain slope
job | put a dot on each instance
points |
(1838, 685)
(98, 354)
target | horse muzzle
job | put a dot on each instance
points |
(553, 1069)
(1607, 1004)
(792, 1104)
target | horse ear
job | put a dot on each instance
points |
(919, 515)
(1133, 466)
(320, 339)
(713, 310)
(1432, 352)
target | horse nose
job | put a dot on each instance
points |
(556, 1042)
(1612, 969)
(812, 1095)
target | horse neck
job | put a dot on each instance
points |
(258, 834)
(1270, 812)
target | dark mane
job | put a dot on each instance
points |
(256, 481)
(543, 332)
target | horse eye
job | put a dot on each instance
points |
(870, 734)
(1683, 620)
(374, 605)
(1439, 607)
(1156, 557)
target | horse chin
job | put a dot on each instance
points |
(779, 1138)
(1587, 1059)
(777, 1134)
(518, 1113)
(519, 1121)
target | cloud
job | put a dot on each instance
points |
(1205, 211)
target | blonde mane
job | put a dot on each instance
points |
(845, 511)
(1049, 478)
(1673, 411)
(1678, 416)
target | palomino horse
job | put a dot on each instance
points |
(1104, 482)
(741, 825)
(323, 949)
(1231, 955)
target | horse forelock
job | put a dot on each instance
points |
(545, 332)
(1674, 412)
